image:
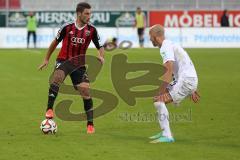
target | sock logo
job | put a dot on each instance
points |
(52, 95)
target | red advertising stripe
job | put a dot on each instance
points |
(192, 18)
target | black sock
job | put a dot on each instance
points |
(52, 94)
(88, 107)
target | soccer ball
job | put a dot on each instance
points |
(48, 126)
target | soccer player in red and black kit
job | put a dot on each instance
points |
(76, 37)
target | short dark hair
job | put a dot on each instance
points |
(81, 6)
(225, 11)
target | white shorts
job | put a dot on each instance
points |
(182, 88)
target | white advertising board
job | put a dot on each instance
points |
(187, 37)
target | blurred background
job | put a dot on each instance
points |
(192, 23)
(208, 29)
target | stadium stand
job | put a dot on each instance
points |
(101, 5)
(11, 4)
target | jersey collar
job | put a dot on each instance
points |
(78, 27)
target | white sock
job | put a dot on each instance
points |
(163, 118)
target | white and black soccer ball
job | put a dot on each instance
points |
(48, 126)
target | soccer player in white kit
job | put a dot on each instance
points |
(179, 80)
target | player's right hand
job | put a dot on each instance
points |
(195, 97)
(101, 59)
(43, 65)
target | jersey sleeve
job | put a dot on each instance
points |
(61, 33)
(167, 53)
(96, 39)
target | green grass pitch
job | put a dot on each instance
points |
(209, 130)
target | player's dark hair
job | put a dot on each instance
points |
(81, 6)
(225, 11)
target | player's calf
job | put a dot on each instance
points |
(84, 90)
(57, 78)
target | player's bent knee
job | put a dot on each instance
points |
(83, 89)
(85, 93)
(80, 87)
(86, 97)
(157, 104)
(58, 77)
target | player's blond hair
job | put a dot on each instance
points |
(157, 29)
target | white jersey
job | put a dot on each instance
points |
(183, 66)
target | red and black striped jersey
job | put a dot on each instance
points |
(76, 41)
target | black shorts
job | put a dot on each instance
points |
(77, 74)
(140, 31)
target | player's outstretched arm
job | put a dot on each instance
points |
(51, 48)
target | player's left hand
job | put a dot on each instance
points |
(195, 97)
(101, 59)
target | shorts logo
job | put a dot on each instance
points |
(77, 40)
(58, 65)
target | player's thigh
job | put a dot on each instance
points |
(80, 81)
(140, 31)
(34, 35)
(60, 72)
(31, 33)
(181, 90)
(57, 76)
(28, 33)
